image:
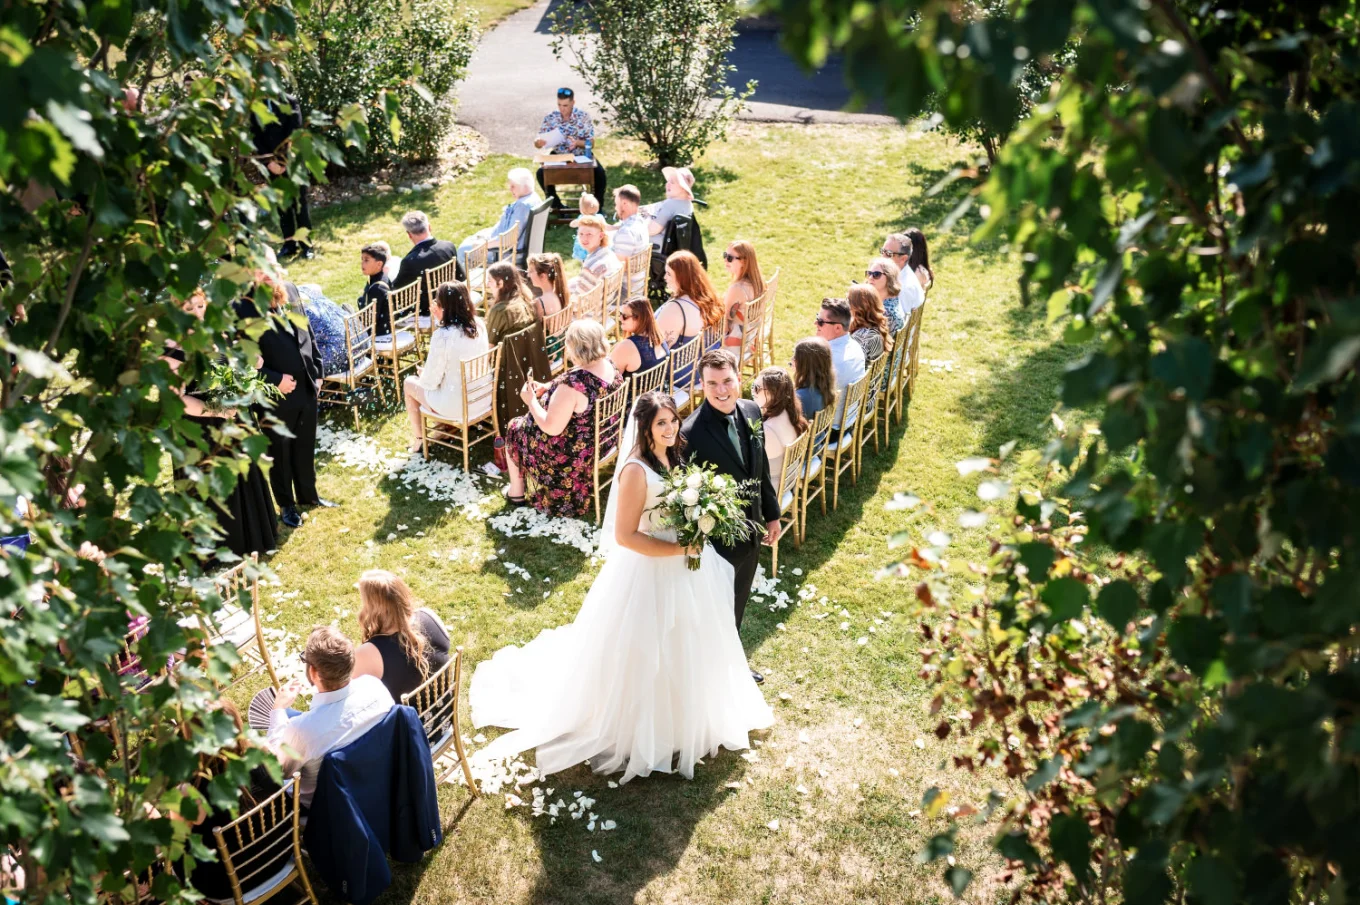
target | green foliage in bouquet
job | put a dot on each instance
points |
(230, 387)
(702, 505)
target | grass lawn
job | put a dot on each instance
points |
(844, 769)
(492, 11)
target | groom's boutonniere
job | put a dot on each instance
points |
(757, 430)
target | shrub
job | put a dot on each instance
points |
(1162, 648)
(400, 59)
(660, 69)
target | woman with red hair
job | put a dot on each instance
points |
(694, 305)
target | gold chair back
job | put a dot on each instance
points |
(771, 297)
(434, 278)
(507, 244)
(479, 421)
(868, 424)
(751, 353)
(555, 339)
(361, 363)
(611, 414)
(639, 270)
(589, 304)
(788, 484)
(474, 266)
(841, 448)
(655, 378)
(814, 471)
(436, 703)
(238, 621)
(252, 846)
(614, 297)
(683, 364)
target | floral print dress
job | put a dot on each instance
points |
(557, 469)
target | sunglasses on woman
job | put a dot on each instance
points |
(729, 257)
(873, 274)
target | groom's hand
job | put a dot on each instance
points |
(772, 531)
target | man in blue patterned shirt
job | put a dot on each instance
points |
(578, 138)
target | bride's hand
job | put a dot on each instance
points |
(694, 552)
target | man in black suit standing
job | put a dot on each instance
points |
(291, 362)
(272, 140)
(426, 252)
(723, 433)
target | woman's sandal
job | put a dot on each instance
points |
(513, 500)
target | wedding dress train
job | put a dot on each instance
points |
(651, 676)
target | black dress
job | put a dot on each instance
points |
(247, 516)
(400, 675)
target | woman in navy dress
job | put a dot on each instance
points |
(642, 347)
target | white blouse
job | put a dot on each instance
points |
(442, 376)
(779, 435)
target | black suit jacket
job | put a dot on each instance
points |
(375, 293)
(707, 443)
(422, 257)
(287, 349)
(270, 139)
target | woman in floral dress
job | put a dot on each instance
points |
(552, 449)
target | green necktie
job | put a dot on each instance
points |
(736, 440)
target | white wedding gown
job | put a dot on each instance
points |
(650, 677)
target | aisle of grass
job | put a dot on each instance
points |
(844, 768)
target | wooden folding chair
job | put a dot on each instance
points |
(611, 414)
(399, 351)
(477, 420)
(474, 267)
(434, 278)
(840, 446)
(655, 378)
(638, 268)
(751, 352)
(555, 339)
(589, 303)
(252, 846)
(894, 384)
(436, 703)
(683, 365)
(914, 352)
(507, 245)
(815, 467)
(238, 622)
(613, 301)
(866, 427)
(767, 326)
(361, 364)
(789, 483)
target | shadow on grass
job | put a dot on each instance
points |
(343, 217)
(926, 212)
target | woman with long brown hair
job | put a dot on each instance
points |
(545, 275)
(868, 323)
(642, 348)
(747, 284)
(781, 414)
(814, 376)
(694, 305)
(458, 334)
(403, 643)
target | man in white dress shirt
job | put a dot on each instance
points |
(342, 709)
(630, 233)
(847, 356)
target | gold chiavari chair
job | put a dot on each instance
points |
(474, 267)
(610, 414)
(789, 483)
(914, 353)
(638, 268)
(262, 850)
(589, 303)
(683, 365)
(767, 326)
(555, 339)
(866, 426)
(436, 703)
(399, 351)
(840, 446)
(507, 245)
(815, 468)
(894, 383)
(656, 378)
(751, 353)
(712, 337)
(361, 364)
(614, 295)
(238, 622)
(434, 278)
(477, 420)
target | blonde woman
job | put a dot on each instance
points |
(747, 284)
(403, 644)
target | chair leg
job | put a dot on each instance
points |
(457, 730)
(424, 439)
(466, 449)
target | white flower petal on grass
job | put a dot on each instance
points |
(971, 518)
(938, 539)
(804, 737)
(596, 855)
(801, 789)
(921, 743)
(845, 626)
(734, 786)
(993, 490)
(902, 501)
(973, 464)
(862, 640)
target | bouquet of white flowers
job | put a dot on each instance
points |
(700, 505)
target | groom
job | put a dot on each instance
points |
(721, 434)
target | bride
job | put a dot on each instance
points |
(651, 676)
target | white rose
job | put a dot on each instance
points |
(695, 481)
(690, 496)
(673, 498)
(719, 482)
(692, 513)
(707, 523)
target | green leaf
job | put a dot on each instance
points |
(1071, 840)
(1212, 881)
(1066, 598)
(1015, 846)
(1047, 771)
(1195, 641)
(1037, 558)
(1117, 603)
(74, 123)
(958, 879)
(940, 846)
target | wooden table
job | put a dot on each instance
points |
(568, 173)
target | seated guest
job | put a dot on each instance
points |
(588, 204)
(578, 139)
(327, 320)
(693, 306)
(747, 284)
(919, 262)
(511, 306)
(210, 877)
(343, 709)
(520, 183)
(545, 275)
(551, 449)
(847, 356)
(392, 266)
(373, 264)
(512, 322)
(600, 262)
(642, 347)
(458, 335)
(679, 203)
(784, 423)
(882, 277)
(426, 252)
(629, 236)
(814, 378)
(868, 326)
(403, 644)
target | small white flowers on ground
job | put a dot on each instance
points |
(804, 737)
(921, 743)
(801, 789)
(596, 855)
(773, 825)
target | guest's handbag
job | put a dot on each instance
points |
(498, 454)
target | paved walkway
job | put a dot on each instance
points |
(513, 79)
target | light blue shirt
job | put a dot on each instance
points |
(518, 211)
(847, 361)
